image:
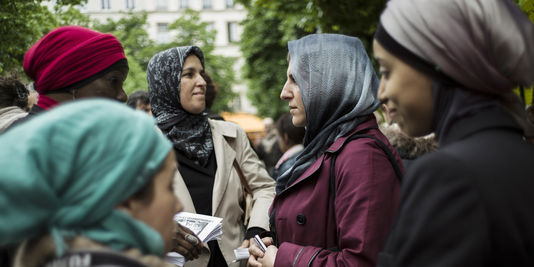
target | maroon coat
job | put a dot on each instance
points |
(367, 194)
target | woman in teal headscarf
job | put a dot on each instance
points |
(88, 175)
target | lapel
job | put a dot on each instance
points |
(338, 143)
(225, 156)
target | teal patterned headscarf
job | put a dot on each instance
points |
(65, 172)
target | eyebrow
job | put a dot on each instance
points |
(192, 69)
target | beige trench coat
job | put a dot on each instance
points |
(230, 142)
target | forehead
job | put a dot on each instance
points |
(192, 61)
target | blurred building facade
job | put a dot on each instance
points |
(222, 15)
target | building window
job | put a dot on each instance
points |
(106, 4)
(184, 4)
(229, 3)
(206, 4)
(161, 4)
(234, 32)
(163, 33)
(210, 26)
(130, 4)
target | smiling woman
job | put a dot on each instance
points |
(449, 67)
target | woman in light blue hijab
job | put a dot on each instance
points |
(334, 207)
(88, 174)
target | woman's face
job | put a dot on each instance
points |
(159, 212)
(192, 86)
(406, 93)
(108, 86)
(291, 94)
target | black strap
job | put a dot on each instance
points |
(313, 257)
(332, 186)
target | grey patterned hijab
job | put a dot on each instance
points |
(338, 86)
(190, 133)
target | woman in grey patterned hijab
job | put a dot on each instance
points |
(338, 86)
(190, 133)
(337, 203)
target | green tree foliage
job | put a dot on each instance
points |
(23, 22)
(265, 61)
(270, 24)
(130, 30)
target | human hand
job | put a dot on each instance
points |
(186, 243)
(269, 257)
(246, 243)
(256, 253)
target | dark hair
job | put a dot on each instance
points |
(211, 90)
(284, 125)
(13, 93)
(136, 96)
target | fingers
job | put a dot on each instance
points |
(245, 243)
(268, 241)
(254, 250)
(252, 262)
(187, 243)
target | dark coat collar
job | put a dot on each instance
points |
(484, 120)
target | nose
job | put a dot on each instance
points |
(382, 96)
(285, 94)
(121, 96)
(201, 81)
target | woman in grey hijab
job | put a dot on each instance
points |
(334, 207)
(215, 157)
(449, 67)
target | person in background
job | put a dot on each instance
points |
(88, 183)
(449, 67)
(33, 96)
(290, 142)
(139, 100)
(335, 206)
(409, 148)
(13, 101)
(211, 93)
(212, 154)
(73, 62)
(269, 149)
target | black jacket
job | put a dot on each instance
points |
(471, 203)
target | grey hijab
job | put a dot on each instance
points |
(486, 46)
(338, 87)
(189, 133)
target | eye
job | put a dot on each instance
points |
(383, 73)
(187, 74)
(291, 78)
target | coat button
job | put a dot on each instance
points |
(301, 219)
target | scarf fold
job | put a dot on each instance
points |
(81, 160)
(483, 45)
(189, 133)
(338, 87)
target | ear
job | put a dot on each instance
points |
(129, 206)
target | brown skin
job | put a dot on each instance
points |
(108, 86)
(158, 213)
(144, 107)
(192, 86)
(406, 93)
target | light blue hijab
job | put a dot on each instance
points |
(64, 172)
(338, 86)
